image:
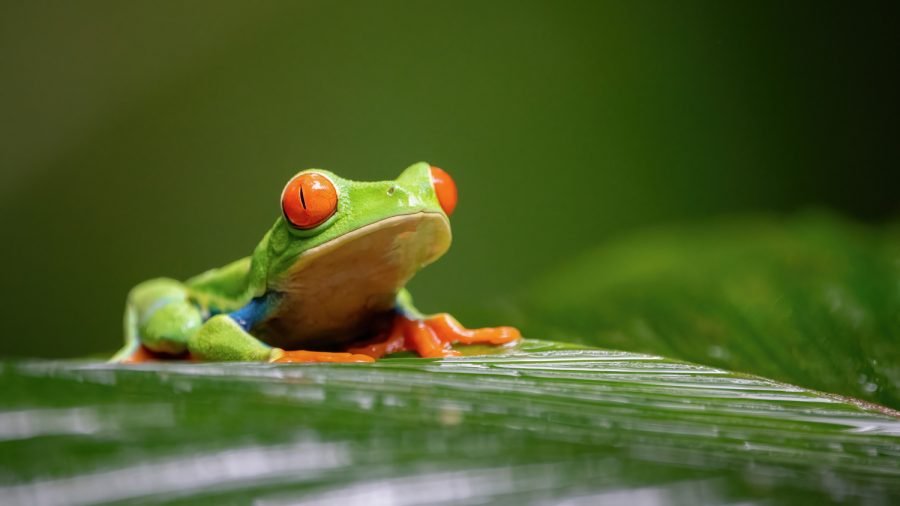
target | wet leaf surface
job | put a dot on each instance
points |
(535, 424)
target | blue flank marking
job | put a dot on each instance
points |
(251, 314)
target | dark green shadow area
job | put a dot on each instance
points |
(812, 300)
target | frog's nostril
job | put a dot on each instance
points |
(391, 190)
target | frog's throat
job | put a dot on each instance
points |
(333, 291)
(387, 252)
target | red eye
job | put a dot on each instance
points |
(445, 189)
(308, 200)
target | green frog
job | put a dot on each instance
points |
(325, 284)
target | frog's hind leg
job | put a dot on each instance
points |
(132, 351)
(159, 319)
(431, 336)
(224, 338)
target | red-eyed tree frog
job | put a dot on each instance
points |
(325, 284)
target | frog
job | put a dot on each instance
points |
(327, 282)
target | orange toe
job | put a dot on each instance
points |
(395, 343)
(425, 341)
(433, 337)
(320, 356)
(452, 331)
(140, 356)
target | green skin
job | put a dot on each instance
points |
(173, 318)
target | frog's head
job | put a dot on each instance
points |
(343, 230)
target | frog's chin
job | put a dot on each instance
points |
(414, 240)
(332, 292)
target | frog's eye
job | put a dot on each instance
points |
(445, 189)
(308, 200)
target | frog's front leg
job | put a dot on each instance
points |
(431, 336)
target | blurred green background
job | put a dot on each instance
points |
(142, 139)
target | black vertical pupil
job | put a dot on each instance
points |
(302, 198)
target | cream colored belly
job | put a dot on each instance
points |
(346, 289)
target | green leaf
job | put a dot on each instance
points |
(541, 422)
(813, 300)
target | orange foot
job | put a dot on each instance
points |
(140, 356)
(432, 337)
(319, 356)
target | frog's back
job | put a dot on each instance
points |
(222, 289)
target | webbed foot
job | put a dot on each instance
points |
(139, 356)
(433, 336)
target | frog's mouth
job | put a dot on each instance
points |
(413, 240)
(333, 291)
